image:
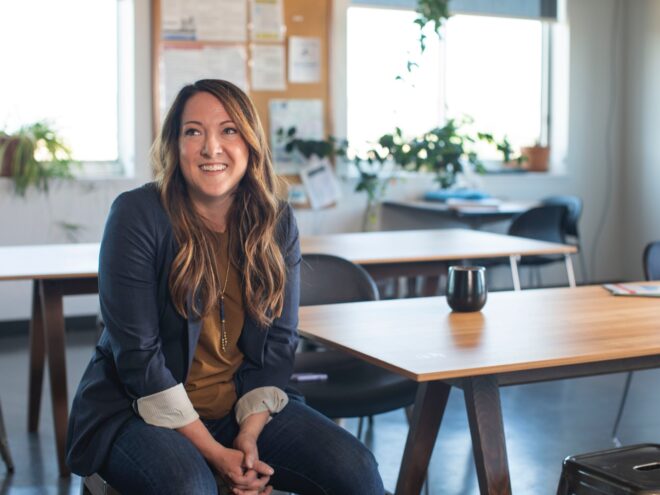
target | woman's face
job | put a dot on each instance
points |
(213, 155)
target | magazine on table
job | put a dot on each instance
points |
(640, 290)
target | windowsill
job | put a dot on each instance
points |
(493, 169)
(94, 172)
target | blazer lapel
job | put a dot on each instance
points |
(194, 329)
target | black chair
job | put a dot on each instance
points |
(633, 470)
(95, 485)
(542, 223)
(651, 262)
(4, 445)
(573, 206)
(353, 388)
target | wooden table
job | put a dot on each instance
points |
(405, 252)
(561, 333)
(55, 271)
(71, 269)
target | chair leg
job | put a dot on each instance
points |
(583, 264)
(84, 490)
(4, 445)
(619, 414)
(359, 431)
(562, 488)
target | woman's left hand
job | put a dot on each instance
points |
(246, 442)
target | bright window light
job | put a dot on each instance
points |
(497, 82)
(60, 64)
(380, 43)
(490, 69)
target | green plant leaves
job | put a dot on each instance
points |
(36, 155)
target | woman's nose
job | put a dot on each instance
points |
(212, 145)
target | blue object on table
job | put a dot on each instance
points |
(445, 194)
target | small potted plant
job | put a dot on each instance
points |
(33, 156)
(537, 157)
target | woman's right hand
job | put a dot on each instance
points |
(229, 463)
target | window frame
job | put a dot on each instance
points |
(545, 137)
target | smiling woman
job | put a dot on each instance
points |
(199, 287)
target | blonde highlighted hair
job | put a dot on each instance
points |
(252, 218)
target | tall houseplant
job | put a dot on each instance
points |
(33, 156)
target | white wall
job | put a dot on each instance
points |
(33, 220)
(598, 45)
(640, 165)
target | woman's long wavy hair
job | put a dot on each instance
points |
(252, 218)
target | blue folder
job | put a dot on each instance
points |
(445, 194)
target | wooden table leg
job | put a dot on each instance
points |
(482, 400)
(53, 318)
(430, 404)
(37, 359)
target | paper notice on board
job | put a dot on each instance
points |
(221, 20)
(306, 115)
(178, 22)
(184, 66)
(204, 20)
(268, 68)
(304, 59)
(267, 20)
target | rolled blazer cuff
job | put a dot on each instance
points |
(170, 408)
(271, 399)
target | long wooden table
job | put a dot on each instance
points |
(71, 269)
(55, 271)
(406, 252)
(519, 337)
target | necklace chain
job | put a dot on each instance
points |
(223, 330)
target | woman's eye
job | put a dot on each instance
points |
(191, 132)
(230, 130)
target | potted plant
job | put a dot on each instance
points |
(537, 157)
(33, 156)
(442, 150)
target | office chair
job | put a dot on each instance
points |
(353, 387)
(573, 206)
(542, 223)
(4, 445)
(651, 262)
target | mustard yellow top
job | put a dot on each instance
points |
(210, 383)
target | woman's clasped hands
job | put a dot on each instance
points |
(243, 472)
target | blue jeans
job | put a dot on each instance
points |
(310, 454)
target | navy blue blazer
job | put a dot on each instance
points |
(147, 347)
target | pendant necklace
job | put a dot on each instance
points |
(223, 330)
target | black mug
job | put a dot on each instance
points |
(466, 288)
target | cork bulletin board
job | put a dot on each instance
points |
(255, 44)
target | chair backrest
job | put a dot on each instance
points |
(651, 261)
(543, 223)
(326, 279)
(573, 206)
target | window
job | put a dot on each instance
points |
(491, 69)
(63, 63)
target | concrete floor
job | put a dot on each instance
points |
(543, 422)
